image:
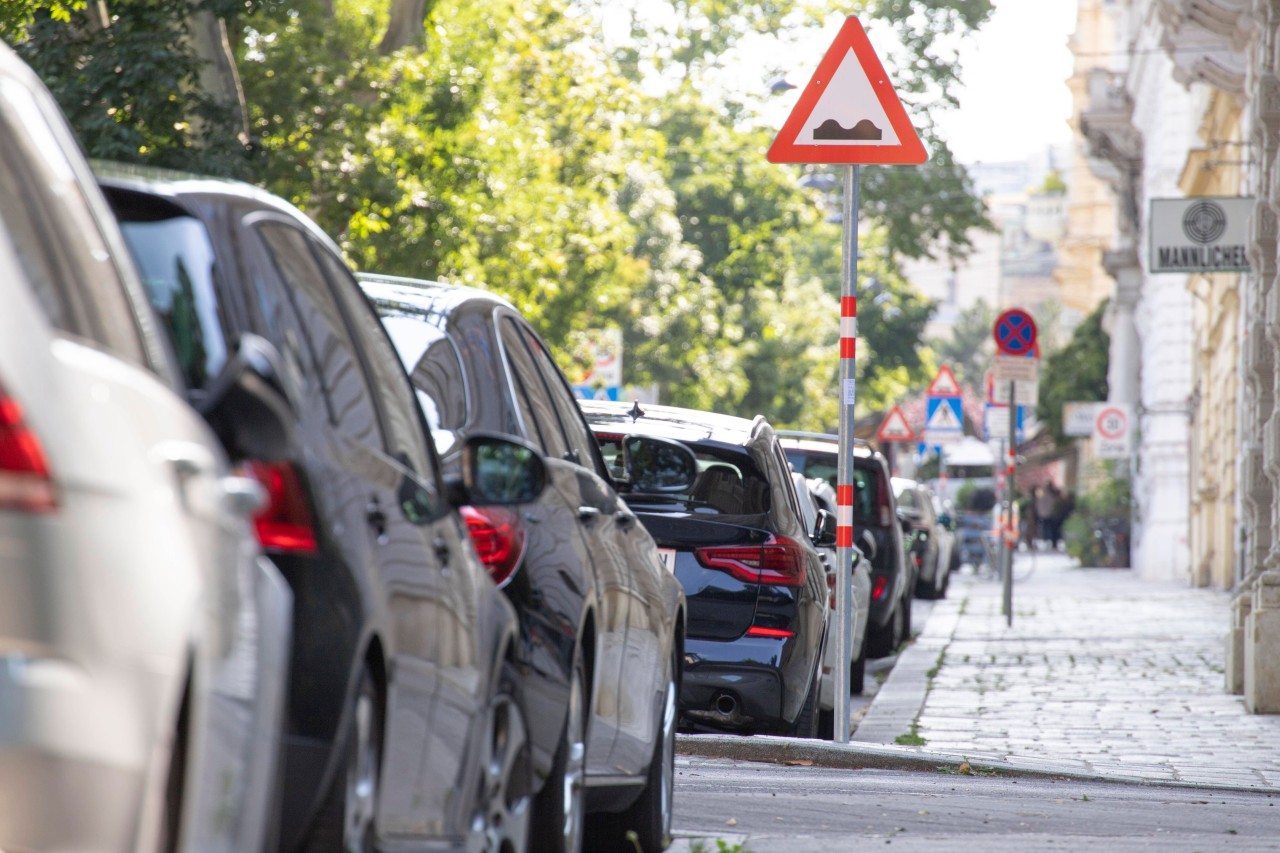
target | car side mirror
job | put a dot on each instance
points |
(658, 466)
(824, 529)
(497, 470)
(248, 403)
(868, 544)
(947, 521)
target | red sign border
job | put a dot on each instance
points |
(896, 410)
(908, 151)
(1032, 345)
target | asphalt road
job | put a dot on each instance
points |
(767, 808)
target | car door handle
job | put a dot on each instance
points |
(588, 513)
(441, 546)
(243, 495)
(625, 519)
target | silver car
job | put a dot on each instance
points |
(143, 638)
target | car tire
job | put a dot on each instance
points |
(559, 808)
(883, 640)
(858, 673)
(504, 803)
(649, 817)
(346, 821)
(905, 637)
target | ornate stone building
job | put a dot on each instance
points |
(1189, 105)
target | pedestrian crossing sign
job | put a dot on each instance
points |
(895, 427)
(944, 384)
(944, 420)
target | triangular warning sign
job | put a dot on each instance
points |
(895, 427)
(849, 113)
(944, 384)
(943, 418)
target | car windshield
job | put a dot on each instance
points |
(825, 466)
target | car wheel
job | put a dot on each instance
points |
(882, 641)
(346, 820)
(905, 636)
(505, 808)
(559, 808)
(858, 673)
(649, 817)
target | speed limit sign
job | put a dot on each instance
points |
(1112, 431)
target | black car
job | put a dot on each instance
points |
(756, 586)
(601, 617)
(877, 531)
(402, 723)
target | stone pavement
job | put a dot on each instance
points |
(1101, 674)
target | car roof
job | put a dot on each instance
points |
(674, 422)
(820, 443)
(435, 296)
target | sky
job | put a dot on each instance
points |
(1015, 100)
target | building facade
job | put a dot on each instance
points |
(1187, 104)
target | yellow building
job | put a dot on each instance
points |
(1214, 170)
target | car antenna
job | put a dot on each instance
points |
(636, 412)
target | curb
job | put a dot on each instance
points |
(774, 749)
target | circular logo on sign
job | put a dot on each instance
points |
(1204, 221)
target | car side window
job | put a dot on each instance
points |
(351, 406)
(56, 233)
(529, 385)
(407, 432)
(582, 447)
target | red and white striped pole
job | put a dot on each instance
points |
(844, 462)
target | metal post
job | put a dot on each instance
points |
(844, 461)
(1011, 533)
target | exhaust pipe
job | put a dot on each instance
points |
(726, 705)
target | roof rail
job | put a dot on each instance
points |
(797, 433)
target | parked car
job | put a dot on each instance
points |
(403, 725)
(143, 636)
(816, 495)
(737, 539)
(601, 617)
(818, 506)
(877, 531)
(931, 538)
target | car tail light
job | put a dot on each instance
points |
(778, 562)
(284, 523)
(25, 483)
(499, 540)
(878, 586)
(772, 633)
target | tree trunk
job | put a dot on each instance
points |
(219, 77)
(407, 26)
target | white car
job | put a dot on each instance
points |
(143, 637)
(814, 494)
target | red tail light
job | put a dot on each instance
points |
(284, 524)
(499, 540)
(772, 633)
(878, 585)
(778, 562)
(25, 483)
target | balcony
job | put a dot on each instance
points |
(1206, 40)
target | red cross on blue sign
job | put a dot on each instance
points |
(1015, 332)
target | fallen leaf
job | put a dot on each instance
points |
(800, 762)
(964, 768)
(733, 821)
(923, 811)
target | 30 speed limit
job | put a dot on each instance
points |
(1112, 431)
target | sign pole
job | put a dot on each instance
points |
(1011, 534)
(844, 460)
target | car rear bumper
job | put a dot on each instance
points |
(738, 685)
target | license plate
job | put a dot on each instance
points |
(668, 557)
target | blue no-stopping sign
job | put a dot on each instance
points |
(1015, 332)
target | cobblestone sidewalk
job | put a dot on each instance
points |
(1101, 673)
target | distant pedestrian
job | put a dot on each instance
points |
(1055, 513)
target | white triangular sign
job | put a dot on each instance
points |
(895, 427)
(944, 384)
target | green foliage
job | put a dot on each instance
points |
(129, 89)
(970, 347)
(1105, 509)
(1075, 373)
